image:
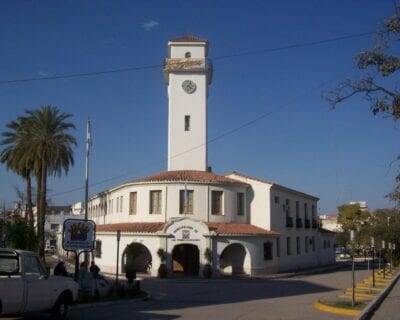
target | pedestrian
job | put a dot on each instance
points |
(148, 265)
(60, 269)
(94, 269)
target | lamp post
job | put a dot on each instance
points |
(373, 260)
(382, 254)
(116, 273)
(353, 296)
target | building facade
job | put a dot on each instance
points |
(249, 225)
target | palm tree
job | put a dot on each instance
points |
(39, 144)
(10, 156)
(49, 146)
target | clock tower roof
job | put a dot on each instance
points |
(188, 38)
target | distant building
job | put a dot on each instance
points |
(251, 226)
(330, 222)
(362, 204)
(54, 219)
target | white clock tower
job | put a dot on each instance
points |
(187, 73)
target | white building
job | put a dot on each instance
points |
(252, 226)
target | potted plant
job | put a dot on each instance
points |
(162, 269)
(207, 269)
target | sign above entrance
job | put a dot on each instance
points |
(79, 234)
(186, 233)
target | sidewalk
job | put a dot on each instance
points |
(386, 305)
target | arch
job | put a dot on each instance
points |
(232, 259)
(138, 256)
(185, 259)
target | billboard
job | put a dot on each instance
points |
(79, 234)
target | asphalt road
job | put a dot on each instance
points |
(226, 298)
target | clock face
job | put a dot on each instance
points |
(188, 86)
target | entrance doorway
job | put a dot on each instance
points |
(185, 260)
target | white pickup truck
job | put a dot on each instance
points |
(25, 286)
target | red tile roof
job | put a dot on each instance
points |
(140, 227)
(238, 229)
(217, 227)
(249, 177)
(188, 38)
(188, 175)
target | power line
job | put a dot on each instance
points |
(216, 58)
(216, 138)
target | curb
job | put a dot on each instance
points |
(339, 311)
(374, 304)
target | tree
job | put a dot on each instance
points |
(49, 145)
(351, 217)
(379, 63)
(41, 142)
(10, 155)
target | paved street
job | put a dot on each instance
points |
(288, 298)
(228, 298)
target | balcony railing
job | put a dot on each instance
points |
(289, 222)
(314, 223)
(307, 223)
(299, 223)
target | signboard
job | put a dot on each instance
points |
(79, 234)
(186, 233)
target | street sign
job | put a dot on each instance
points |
(79, 234)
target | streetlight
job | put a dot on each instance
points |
(373, 260)
(383, 250)
(353, 296)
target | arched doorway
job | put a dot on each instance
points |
(138, 256)
(232, 259)
(185, 259)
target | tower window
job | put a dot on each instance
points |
(216, 202)
(188, 54)
(187, 123)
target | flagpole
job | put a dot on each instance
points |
(88, 143)
(87, 168)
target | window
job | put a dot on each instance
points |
(187, 123)
(288, 246)
(54, 226)
(188, 54)
(155, 202)
(240, 203)
(306, 211)
(216, 202)
(306, 243)
(186, 201)
(121, 201)
(278, 247)
(287, 208)
(268, 250)
(32, 266)
(276, 199)
(97, 249)
(298, 245)
(132, 202)
(117, 205)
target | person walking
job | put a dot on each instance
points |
(60, 269)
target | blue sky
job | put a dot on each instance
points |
(338, 155)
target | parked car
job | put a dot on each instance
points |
(342, 253)
(27, 287)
